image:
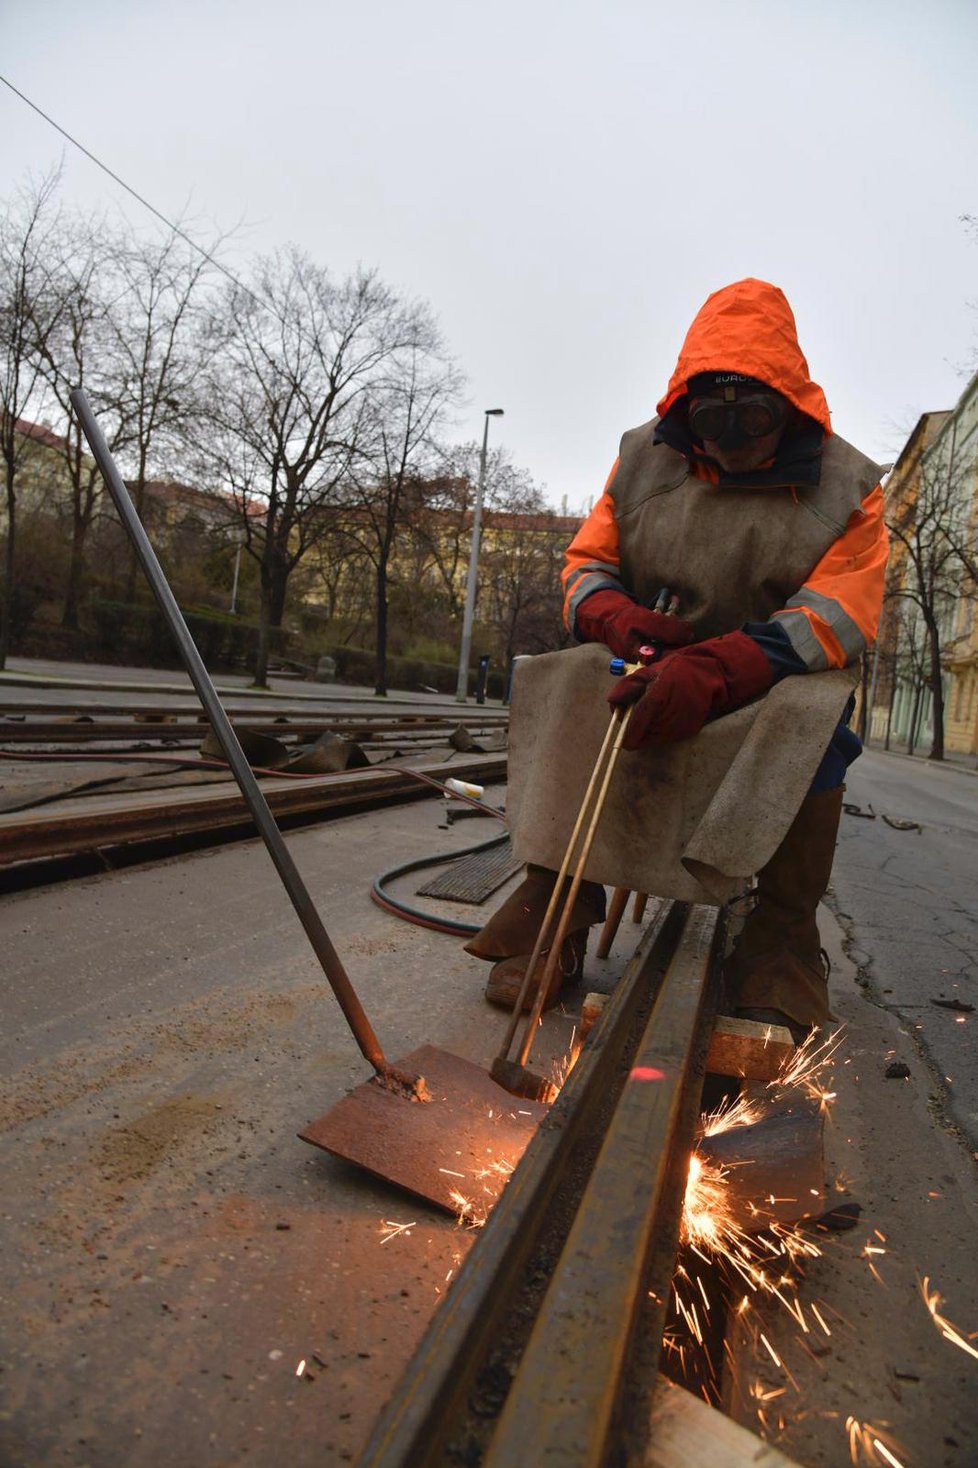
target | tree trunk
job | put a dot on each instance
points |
(264, 638)
(7, 605)
(864, 700)
(937, 689)
(889, 712)
(380, 680)
(918, 694)
(277, 594)
(132, 570)
(69, 612)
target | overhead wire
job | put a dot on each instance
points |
(177, 230)
(378, 892)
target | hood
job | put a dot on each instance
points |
(748, 327)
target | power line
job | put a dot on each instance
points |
(138, 197)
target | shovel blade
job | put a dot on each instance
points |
(456, 1150)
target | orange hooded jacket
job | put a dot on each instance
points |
(749, 328)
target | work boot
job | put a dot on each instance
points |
(777, 972)
(506, 976)
(511, 932)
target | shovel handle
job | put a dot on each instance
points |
(254, 799)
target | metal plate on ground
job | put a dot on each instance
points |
(457, 1150)
(474, 878)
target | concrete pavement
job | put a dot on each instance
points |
(172, 1254)
(908, 900)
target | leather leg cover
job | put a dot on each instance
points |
(776, 962)
(513, 929)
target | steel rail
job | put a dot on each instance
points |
(558, 1281)
(583, 1390)
(42, 713)
(58, 732)
(100, 821)
(264, 707)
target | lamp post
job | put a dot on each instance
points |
(234, 586)
(462, 688)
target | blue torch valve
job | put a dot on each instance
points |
(616, 667)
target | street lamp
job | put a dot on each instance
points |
(462, 688)
(234, 586)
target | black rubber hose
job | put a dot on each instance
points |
(416, 914)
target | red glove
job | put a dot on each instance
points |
(673, 699)
(613, 618)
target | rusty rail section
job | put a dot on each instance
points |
(77, 724)
(82, 825)
(546, 1348)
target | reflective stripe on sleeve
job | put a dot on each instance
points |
(834, 616)
(592, 556)
(813, 635)
(582, 581)
(803, 639)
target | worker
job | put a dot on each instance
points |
(741, 500)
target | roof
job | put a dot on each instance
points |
(42, 434)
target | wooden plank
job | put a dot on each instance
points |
(591, 1011)
(686, 1433)
(742, 1047)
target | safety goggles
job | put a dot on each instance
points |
(754, 416)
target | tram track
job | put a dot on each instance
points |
(185, 723)
(547, 1347)
(127, 826)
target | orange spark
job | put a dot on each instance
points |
(950, 1332)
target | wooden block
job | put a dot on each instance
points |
(742, 1047)
(591, 1012)
(686, 1433)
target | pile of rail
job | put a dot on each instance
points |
(156, 793)
(25, 722)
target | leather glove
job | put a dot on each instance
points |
(620, 623)
(675, 698)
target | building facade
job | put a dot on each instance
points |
(932, 509)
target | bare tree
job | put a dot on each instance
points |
(155, 344)
(442, 524)
(932, 568)
(294, 362)
(408, 406)
(31, 305)
(521, 597)
(442, 521)
(74, 354)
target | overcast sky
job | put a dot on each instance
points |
(565, 183)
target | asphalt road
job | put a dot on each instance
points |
(908, 900)
(183, 1281)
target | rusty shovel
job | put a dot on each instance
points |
(431, 1122)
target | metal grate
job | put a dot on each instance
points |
(474, 878)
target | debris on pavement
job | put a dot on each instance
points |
(899, 824)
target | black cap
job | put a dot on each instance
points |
(706, 382)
